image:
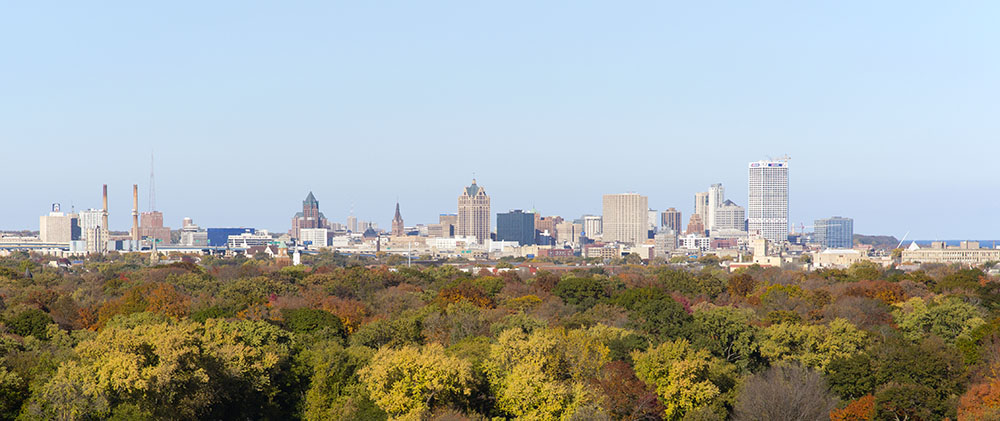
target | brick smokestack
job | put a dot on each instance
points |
(135, 213)
(105, 216)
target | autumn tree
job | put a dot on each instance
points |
(685, 378)
(413, 380)
(786, 391)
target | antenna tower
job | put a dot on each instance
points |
(152, 185)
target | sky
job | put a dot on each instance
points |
(890, 110)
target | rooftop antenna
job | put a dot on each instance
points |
(152, 185)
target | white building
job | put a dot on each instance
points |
(768, 199)
(701, 206)
(316, 237)
(625, 218)
(592, 226)
(694, 242)
(716, 197)
(247, 240)
(730, 221)
(665, 242)
(192, 235)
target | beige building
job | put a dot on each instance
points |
(701, 207)
(58, 227)
(837, 258)
(967, 252)
(473, 213)
(625, 218)
(568, 233)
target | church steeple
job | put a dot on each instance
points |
(397, 223)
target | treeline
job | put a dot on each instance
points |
(113, 338)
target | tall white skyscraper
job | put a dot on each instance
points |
(626, 218)
(716, 197)
(701, 206)
(767, 206)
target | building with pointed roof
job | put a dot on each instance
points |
(310, 217)
(397, 224)
(474, 213)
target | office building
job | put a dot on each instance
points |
(716, 197)
(654, 220)
(568, 232)
(310, 217)
(767, 206)
(397, 224)
(966, 253)
(664, 242)
(730, 217)
(315, 237)
(625, 218)
(695, 225)
(151, 227)
(701, 206)
(58, 227)
(192, 235)
(834, 233)
(246, 240)
(474, 213)
(671, 218)
(593, 226)
(516, 226)
(219, 237)
(352, 223)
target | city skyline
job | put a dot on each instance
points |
(889, 117)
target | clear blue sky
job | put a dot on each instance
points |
(890, 110)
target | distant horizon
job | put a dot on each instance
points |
(887, 109)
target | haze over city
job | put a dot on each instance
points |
(888, 110)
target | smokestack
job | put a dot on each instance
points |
(105, 213)
(135, 213)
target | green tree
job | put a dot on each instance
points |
(727, 332)
(947, 317)
(413, 380)
(681, 376)
(307, 320)
(812, 345)
(654, 313)
(543, 375)
(581, 293)
(33, 322)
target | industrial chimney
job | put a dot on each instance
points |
(135, 214)
(105, 213)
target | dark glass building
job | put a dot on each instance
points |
(834, 233)
(516, 226)
(220, 236)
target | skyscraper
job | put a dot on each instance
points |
(474, 213)
(716, 197)
(310, 217)
(729, 217)
(767, 206)
(671, 218)
(701, 206)
(593, 226)
(516, 226)
(397, 223)
(836, 232)
(626, 218)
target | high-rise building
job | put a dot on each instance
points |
(568, 232)
(730, 216)
(701, 206)
(835, 233)
(445, 228)
(716, 196)
(665, 242)
(695, 225)
(352, 223)
(151, 226)
(547, 224)
(397, 224)
(593, 226)
(516, 226)
(58, 227)
(671, 218)
(767, 206)
(625, 218)
(654, 220)
(474, 213)
(310, 217)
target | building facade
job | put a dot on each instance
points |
(58, 227)
(474, 213)
(310, 217)
(625, 218)
(701, 206)
(671, 218)
(516, 225)
(716, 198)
(834, 233)
(151, 226)
(767, 204)
(593, 226)
(316, 237)
(729, 217)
